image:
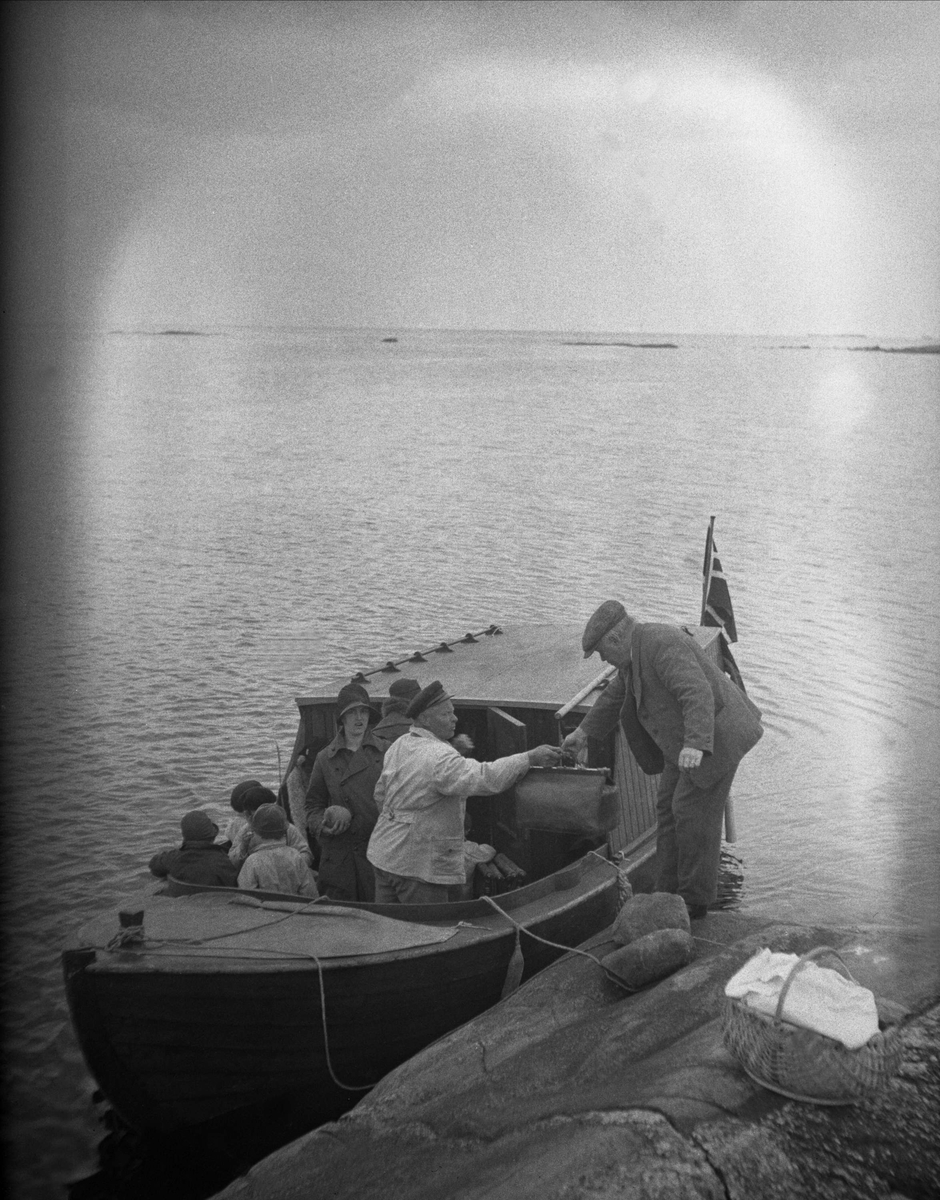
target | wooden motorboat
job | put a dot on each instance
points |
(197, 1005)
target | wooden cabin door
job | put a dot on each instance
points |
(507, 735)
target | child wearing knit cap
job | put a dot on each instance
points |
(272, 865)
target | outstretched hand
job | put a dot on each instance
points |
(545, 756)
(574, 747)
(574, 743)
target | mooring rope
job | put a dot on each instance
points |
(132, 938)
(520, 929)
(346, 1087)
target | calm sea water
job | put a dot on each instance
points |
(218, 522)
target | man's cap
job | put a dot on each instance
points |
(239, 790)
(433, 694)
(353, 695)
(405, 689)
(269, 821)
(610, 613)
(198, 826)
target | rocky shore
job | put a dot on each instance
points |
(570, 1088)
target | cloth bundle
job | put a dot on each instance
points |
(818, 998)
(476, 852)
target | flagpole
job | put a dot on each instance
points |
(730, 831)
(707, 568)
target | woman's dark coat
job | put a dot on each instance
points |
(347, 779)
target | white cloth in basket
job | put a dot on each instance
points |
(818, 998)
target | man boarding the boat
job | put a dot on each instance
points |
(683, 718)
(417, 846)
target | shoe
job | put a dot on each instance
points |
(697, 911)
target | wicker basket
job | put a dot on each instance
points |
(801, 1063)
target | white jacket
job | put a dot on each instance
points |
(421, 796)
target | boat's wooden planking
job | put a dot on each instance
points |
(175, 1044)
(178, 1050)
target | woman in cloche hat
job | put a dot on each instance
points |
(339, 804)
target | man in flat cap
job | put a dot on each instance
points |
(417, 846)
(394, 722)
(684, 718)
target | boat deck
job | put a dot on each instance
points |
(222, 929)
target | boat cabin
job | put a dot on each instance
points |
(515, 687)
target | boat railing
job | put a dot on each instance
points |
(559, 881)
(600, 681)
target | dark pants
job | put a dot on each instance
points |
(345, 873)
(402, 889)
(688, 834)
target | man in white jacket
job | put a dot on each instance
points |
(416, 847)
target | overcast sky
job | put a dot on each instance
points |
(749, 167)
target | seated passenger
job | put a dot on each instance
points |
(394, 722)
(340, 809)
(199, 859)
(272, 865)
(247, 839)
(238, 822)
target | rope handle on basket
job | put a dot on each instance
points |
(799, 965)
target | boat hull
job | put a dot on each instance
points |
(175, 1044)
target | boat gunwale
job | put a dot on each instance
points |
(329, 699)
(491, 926)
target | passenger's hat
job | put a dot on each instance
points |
(269, 821)
(610, 613)
(238, 793)
(198, 826)
(254, 797)
(353, 695)
(433, 694)
(404, 689)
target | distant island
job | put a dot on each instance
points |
(631, 345)
(390, 339)
(160, 333)
(933, 348)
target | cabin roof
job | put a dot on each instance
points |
(533, 666)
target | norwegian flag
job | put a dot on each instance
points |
(716, 604)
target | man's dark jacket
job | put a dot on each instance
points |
(681, 699)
